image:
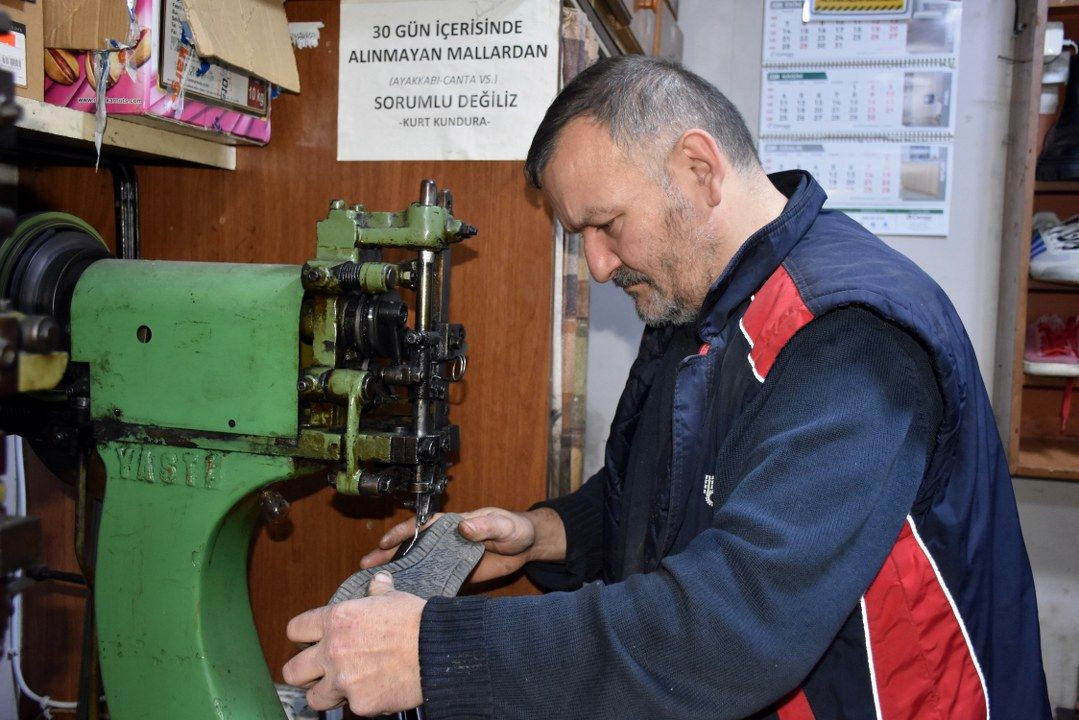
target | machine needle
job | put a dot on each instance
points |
(423, 512)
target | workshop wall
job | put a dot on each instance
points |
(265, 211)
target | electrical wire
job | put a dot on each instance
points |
(47, 704)
(14, 636)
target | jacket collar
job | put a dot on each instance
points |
(763, 252)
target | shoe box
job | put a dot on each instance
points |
(184, 64)
(21, 49)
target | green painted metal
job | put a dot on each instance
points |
(172, 563)
(324, 348)
(337, 233)
(374, 276)
(311, 444)
(373, 446)
(421, 227)
(351, 386)
(195, 399)
(198, 346)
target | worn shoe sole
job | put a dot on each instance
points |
(1058, 272)
(437, 565)
(1052, 369)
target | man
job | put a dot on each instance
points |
(804, 511)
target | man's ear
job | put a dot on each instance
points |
(697, 158)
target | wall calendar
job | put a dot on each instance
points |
(866, 106)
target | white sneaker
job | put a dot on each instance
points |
(1054, 248)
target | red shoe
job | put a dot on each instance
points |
(1050, 347)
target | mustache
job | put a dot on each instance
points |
(623, 277)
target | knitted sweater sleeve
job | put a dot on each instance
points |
(580, 512)
(824, 465)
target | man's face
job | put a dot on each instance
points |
(640, 233)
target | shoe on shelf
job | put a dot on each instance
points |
(1054, 248)
(1050, 347)
(1060, 156)
(1044, 220)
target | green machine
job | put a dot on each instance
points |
(201, 385)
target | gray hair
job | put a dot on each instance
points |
(646, 103)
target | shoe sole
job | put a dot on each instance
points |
(1031, 367)
(438, 564)
(1056, 274)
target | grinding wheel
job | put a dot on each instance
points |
(40, 264)
(43, 260)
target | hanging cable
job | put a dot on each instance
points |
(14, 636)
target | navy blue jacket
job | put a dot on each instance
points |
(942, 622)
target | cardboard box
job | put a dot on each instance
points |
(164, 74)
(21, 49)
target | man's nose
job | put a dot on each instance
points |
(597, 253)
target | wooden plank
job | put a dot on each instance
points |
(1064, 304)
(1043, 381)
(1045, 286)
(1048, 458)
(1051, 186)
(143, 142)
(1015, 245)
(1042, 404)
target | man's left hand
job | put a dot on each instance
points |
(365, 652)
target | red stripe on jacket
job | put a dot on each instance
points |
(795, 707)
(920, 656)
(775, 313)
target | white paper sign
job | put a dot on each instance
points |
(444, 79)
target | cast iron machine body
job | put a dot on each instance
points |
(210, 382)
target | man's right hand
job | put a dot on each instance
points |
(511, 538)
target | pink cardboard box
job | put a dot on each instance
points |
(209, 100)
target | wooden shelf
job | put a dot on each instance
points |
(1044, 381)
(131, 139)
(1052, 287)
(1057, 186)
(1028, 407)
(1051, 458)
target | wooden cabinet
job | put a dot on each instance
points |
(1029, 407)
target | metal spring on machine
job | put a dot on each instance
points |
(348, 276)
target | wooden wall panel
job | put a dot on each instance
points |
(265, 211)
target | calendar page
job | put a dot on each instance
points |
(890, 188)
(868, 107)
(845, 101)
(931, 31)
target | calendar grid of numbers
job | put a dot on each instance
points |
(867, 107)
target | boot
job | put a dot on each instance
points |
(1060, 157)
